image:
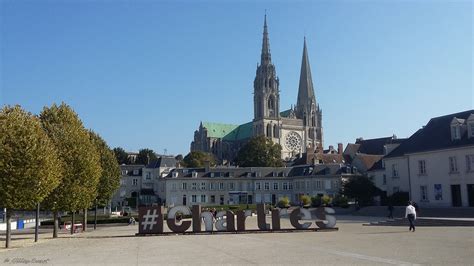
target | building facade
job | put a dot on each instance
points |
(295, 129)
(436, 164)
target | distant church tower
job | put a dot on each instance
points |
(307, 108)
(266, 94)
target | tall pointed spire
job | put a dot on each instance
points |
(266, 57)
(305, 89)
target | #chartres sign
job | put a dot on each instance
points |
(152, 219)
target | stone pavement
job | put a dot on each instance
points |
(353, 244)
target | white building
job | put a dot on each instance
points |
(435, 165)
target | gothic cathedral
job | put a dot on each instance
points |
(297, 129)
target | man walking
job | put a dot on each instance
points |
(410, 213)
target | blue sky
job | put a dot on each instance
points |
(145, 73)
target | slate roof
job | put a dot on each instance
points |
(162, 161)
(436, 135)
(285, 113)
(375, 146)
(377, 166)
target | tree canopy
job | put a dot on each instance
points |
(360, 188)
(79, 156)
(259, 152)
(121, 155)
(199, 159)
(29, 166)
(145, 156)
(109, 180)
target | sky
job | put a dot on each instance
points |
(144, 74)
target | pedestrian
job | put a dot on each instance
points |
(390, 210)
(410, 213)
(417, 209)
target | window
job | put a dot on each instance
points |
(267, 186)
(173, 186)
(124, 172)
(184, 186)
(290, 185)
(148, 176)
(203, 198)
(258, 186)
(123, 182)
(203, 186)
(453, 166)
(213, 199)
(231, 186)
(194, 186)
(456, 132)
(275, 186)
(423, 193)
(193, 198)
(438, 192)
(285, 186)
(421, 167)
(319, 184)
(471, 126)
(194, 174)
(221, 186)
(135, 182)
(384, 179)
(394, 170)
(212, 174)
(470, 162)
(135, 172)
(212, 186)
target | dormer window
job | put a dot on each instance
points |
(194, 174)
(470, 126)
(455, 132)
(457, 128)
(175, 174)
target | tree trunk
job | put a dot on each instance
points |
(9, 229)
(56, 224)
(37, 222)
(84, 221)
(95, 215)
(72, 222)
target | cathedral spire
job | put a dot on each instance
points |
(305, 89)
(266, 57)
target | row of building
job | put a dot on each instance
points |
(434, 166)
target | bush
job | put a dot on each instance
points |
(316, 201)
(399, 198)
(306, 200)
(325, 200)
(284, 202)
(341, 201)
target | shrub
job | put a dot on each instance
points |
(284, 202)
(325, 200)
(316, 201)
(341, 201)
(306, 200)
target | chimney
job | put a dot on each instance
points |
(339, 148)
(331, 148)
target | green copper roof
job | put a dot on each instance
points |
(227, 131)
(285, 113)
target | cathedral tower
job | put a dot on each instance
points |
(266, 93)
(307, 108)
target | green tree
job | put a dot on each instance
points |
(110, 176)
(284, 202)
(80, 158)
(199, 159)
(121, 155)
(360, 188)
(145, 156)
(29, 165)
(260, 152)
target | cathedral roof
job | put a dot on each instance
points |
(228, 132)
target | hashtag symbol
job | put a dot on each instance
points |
(149, 220)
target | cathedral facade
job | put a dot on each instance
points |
(296, 129)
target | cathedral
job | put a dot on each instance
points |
(297, 130)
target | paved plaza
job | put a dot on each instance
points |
(353, 244)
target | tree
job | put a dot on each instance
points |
(306, 200)
(360, 188)
(29, 165)
(199, 159)
(284, 202)
(260, 152)
(110, 176)
(145, 156)
(80, 158)
(121, 155)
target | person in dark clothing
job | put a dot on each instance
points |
(390, 210)
(417, 209)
